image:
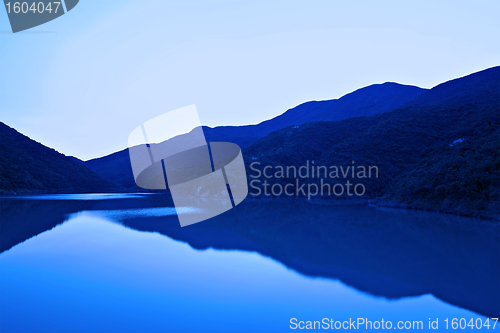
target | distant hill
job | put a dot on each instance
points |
(367, 101)
(443, 153)
(29, 166)
(115, 167)
(374, 99)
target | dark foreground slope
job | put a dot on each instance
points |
(29, 166)
(441, 154)
(374, 99)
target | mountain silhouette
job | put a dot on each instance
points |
(370, 100)
(478, 88)
(374, 99)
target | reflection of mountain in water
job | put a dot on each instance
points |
(392, 254)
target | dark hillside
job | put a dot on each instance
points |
(442, 157)
(29, 166)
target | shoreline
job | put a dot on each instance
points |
(381, 202)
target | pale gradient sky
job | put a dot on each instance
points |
(83, 82)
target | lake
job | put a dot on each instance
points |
(122, 263)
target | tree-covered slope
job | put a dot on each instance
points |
(434, 156)
(29, 166)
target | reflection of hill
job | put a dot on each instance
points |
(386, 253)
(23, 219)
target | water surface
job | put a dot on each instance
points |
(122, 263)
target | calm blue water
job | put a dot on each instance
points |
(122, 264)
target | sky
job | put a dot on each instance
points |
(81, 83)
